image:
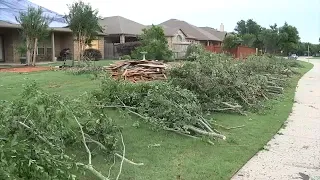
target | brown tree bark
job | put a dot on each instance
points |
(28, 52)
(35, 52)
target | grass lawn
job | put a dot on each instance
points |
(177, 157)
(69, 62)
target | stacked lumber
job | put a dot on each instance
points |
(134, 71)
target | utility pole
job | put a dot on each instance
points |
(308, 49)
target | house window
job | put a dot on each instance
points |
(49, 50)
(41, 50)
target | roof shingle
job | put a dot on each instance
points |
(120, 25)
(219, 34)
(190, 30)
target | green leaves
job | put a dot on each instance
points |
(38, 129)
(154, 43)
(82, 19)
(34, 24)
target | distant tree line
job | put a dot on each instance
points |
(283, 40)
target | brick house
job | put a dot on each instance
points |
(203, 35)
(48, 50)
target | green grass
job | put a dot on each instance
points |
(177, 157)
(69, 62)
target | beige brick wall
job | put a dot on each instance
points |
(101, 45)
(170, 41)
(11, 38)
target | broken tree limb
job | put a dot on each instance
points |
(116, 154)
(205, 125)
(35, 133)
(128, 161)
(202, 132)
(93, 171)
(123, 154)
(179, 132)
(228, 128)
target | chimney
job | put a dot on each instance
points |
(221, 27)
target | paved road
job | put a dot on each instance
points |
(294, 153)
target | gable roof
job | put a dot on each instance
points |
(10, 9)
(168, 31)
(190, 30)
(121, 25)
(219, 34)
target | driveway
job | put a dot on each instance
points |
(294, 153)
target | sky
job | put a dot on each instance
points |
(303, 14)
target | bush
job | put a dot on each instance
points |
(125, 57)
(127, 48)
(193, 51)
(154, 43)
(92, 54)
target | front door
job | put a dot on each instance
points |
(1, 49)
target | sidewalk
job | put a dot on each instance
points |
(294, 153)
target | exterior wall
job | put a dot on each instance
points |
(179, 44)
(101, 45)
(11, 40)
(179, 37)
(169, 39)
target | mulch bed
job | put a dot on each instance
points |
(24, 69)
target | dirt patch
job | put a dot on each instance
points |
(24, 69)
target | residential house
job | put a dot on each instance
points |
(195, 34)
(121, 30)
(48, 50)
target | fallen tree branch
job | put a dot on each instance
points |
(89, 165)
(93, 171)
(205, 125)
(181, 133)
(123, 154)
(116, 154)
(114, 162)
(115, 106)
(35, 133)
(228, 128)
(128, 161)
(200, 131)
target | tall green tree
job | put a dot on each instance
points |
(249, 39)
(289, 38)
(34, 28)
(154, 42)
(83, 20)
(241, 27)
(231, 41)
(249, 31)
(270, 39)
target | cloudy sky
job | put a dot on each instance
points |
(304, 14)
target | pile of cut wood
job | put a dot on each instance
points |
(134, 71)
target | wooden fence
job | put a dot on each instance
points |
(238, 52)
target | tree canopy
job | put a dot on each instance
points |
(284, 39)
(34, 27)
(83, 20)
(154, 42)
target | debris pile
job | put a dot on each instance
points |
(134, 71)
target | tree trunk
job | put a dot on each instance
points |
(35, 52)
(28, 52)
